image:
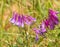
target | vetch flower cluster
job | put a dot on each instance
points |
(50, 23)
(20, 20)
(52, 19)
(40, 30)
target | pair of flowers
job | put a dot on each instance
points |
(50, 22)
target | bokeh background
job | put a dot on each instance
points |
(14, 36)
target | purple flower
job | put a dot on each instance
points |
(53, 16)
(52, 19)
(46, 22)
(42, 27)
(41, 30)
(51, 24)
(14, 18)
(20, 20)
(29, 20)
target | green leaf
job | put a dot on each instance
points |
(20, 40)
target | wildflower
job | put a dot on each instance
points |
(41, 30)
(52, 19)
(13, 19)
(51, 24)
(29, 20)
(42, 27)
(46, 22)
(53, 16)
(20, 20)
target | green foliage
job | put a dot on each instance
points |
(13, 36)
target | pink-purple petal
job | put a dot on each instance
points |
(13, 19)
(42, 27)
(36, 30)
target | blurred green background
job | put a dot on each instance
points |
(14, 36)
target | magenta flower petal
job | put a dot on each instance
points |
(51, 25)
(36, 38)
(46, 22)
(29, 20)
(41, 30)
(52, 19)
(53, 16)
(17, 20)
(13, 19)
(55, 20)
(20, 21)
(42, 27)
(37, 31)
(53, 12)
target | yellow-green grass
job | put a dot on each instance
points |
(14, 36)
